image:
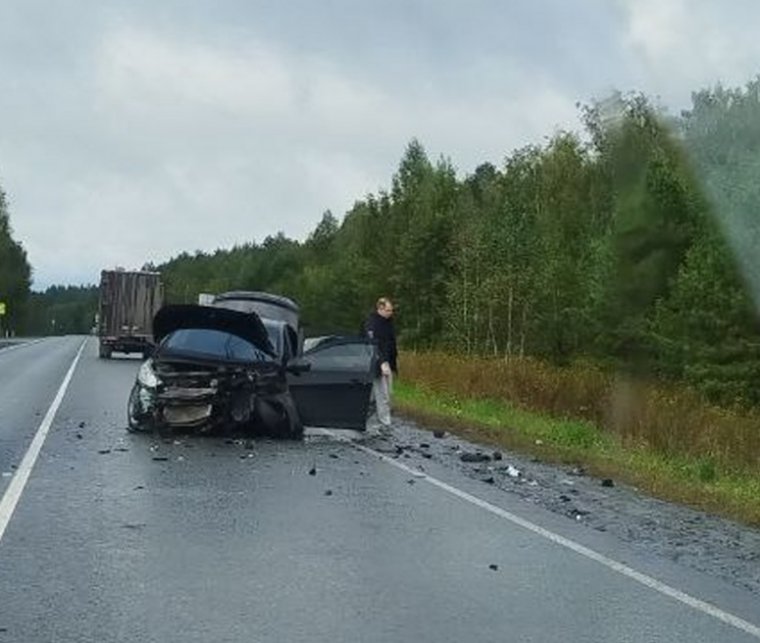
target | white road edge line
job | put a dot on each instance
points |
(18, 482)
(620, 568)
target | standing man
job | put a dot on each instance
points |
(379, 327)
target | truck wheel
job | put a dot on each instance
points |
(104, 352)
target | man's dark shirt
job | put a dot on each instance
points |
(381, 330)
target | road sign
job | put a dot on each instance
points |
(2, 308)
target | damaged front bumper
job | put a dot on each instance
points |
(175, 397)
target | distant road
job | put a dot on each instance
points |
(117, 538)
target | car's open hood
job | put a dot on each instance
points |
(247, 326)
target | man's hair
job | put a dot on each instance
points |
(382, 303)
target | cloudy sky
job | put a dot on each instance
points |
(132, 130)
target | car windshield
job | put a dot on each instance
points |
(212, 344)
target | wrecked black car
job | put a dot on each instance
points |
(239, 365)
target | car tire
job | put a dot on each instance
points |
(293, 420)
(135, 425)
(279, 418)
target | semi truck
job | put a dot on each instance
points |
(128, 302)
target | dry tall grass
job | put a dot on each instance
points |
(670, 421)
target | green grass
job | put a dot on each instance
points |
(700, 482)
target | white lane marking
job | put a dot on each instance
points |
(620, 568)
(20, 478)
(13, 347)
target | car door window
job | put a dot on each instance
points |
(351, 356)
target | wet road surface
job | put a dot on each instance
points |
(118, 537)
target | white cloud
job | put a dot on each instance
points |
(161, 141)
(680, 46)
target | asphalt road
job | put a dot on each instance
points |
(227, 541)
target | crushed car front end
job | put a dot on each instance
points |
(212, 370)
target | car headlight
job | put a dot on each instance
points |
(146, 376)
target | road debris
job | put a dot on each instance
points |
(496, 455)
(139, 488)
(104, 451)
(334, 456)
(160, 458)
(439, 434)
(493, 567)
(79, 436)
(81, 425)
(424, 445)
(490, 480)
(329, 492)
(474, 457)
(313, 471)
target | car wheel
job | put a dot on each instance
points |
(279, 417)
(136, 417)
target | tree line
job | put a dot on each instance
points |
(630, 243)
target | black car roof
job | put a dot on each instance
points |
(263, 303)
(255, 295)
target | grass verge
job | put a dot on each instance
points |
(700, 482)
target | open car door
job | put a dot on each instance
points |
(335, 392)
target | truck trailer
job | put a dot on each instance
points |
(128, 302)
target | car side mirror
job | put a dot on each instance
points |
(298, 366)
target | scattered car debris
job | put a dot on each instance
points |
(313, 471)
(133, 525)
(474, 457)
(496, 455)
(608, 482)
(493, 567)
(104, 451)
(81, 425)
(139, 488)
(513, 472)
(490, 480)
(411, 481)
(427, 456)
(424, 445)
(329, 492)
(334, 456)
(160, 458)
(122, 449)
(79, 436)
